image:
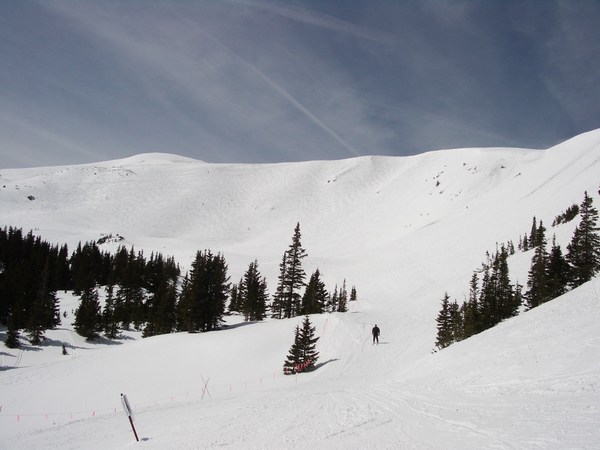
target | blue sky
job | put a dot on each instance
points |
(259, 81)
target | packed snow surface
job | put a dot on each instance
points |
(403, 230)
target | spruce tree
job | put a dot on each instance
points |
(533, 236)
(280, 293)
(497, 300)
(88, 318)
(235, 303)
(583, 253)
(308, 343)
(472, 320)
(302, 355)
(293, 359)
(316, 297)
(343, 299)
(205, 295)
(456, 322)
(334, 300)
(444, 324)
(253, 294)
(558, 271)
(353, 296)
(109, 321)
(12, 334)
(294, 275)
(537, 281)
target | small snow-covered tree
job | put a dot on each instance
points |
(302, 355)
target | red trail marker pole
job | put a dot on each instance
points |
(127, 409)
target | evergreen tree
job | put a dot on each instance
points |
(488, 309)
(235, 303)
(253, 294)
(456, 322)
(12, 334)
(558, 271)
(353, 296)
(497, 300)
(162, 308)
(183, 309)
(293, 359)
(109, 320)
(444, 324)
(525, 244)
(334, 300)
(280, 293)
(88, 318)
(343, 299)
(205, 294)
(302, 355)
(316, 297)
(537, 281)
(122, 308)
(44, 311)
(472, 321)
(294, 275)
(533, 236)
(583, 253)
(308, 343)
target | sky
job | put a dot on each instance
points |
(264, 81)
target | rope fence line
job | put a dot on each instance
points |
(190, 395)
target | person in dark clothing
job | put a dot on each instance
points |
(375, 332)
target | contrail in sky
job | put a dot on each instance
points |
(285, 94)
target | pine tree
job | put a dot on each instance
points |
(43, 311)
(88, 319)
(497, 299)
(444, 325)
(533, 241)
(537, 281)
(235, 303)
(183, 309)
(558, 271)
(308, 343)
(294, 275)
(343, 299)
(583, 253)
(293, 359)
(334, 300)
(12, 334)
(456, 322)
(316, 297)
(302, 355)
(205, 295)
(109, 322)
(353, 296)
(279, 297)
(472, 321)
(253, 294)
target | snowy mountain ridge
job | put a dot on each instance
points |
(402, 229)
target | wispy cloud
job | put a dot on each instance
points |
(317, 19)
(185, 56)
(267, 80)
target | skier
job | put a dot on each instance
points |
(375, 332)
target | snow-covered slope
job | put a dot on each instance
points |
(403, 230)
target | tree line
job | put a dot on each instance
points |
(148, 294)
(492, 296)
